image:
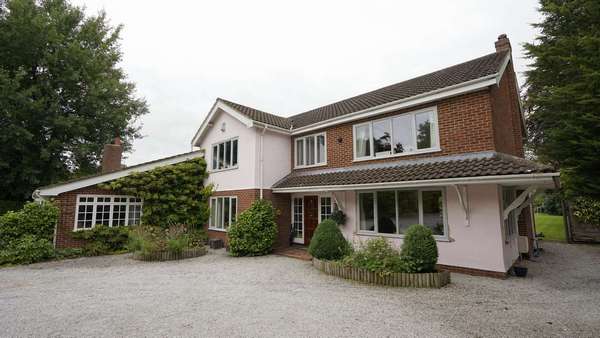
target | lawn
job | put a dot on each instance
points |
(552, 227)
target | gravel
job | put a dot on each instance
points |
(217, 295)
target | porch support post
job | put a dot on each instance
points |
(519, 201)
(336, 201)
(463, 200)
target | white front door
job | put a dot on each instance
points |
(298, 219)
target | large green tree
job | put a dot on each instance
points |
(563, 92)
(62, 94)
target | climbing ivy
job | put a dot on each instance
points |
(172, 194)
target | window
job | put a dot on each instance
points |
(225, 155)
(311, 150)
(326, 208)
(107, 210)
(393, 211)
(223, 212)
(399, 135)
(298, 219)
(510, 224)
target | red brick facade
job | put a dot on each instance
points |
(246, 197)
(67, 202)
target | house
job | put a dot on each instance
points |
(444, 150)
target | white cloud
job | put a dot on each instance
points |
(286, 58)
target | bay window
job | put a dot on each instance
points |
(310, 150)
(225, 155)
(107, 210)
(223, 212)
(393, 211)
(404, 134)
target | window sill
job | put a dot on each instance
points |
(221, 170)
(418, 152)
(311, 166)
(216, 229)
(397, 236)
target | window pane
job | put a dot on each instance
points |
(233, 210)
(219, 223)
(298, 217)
(321, 149)
(382, 137)
(221, 156)
(325, 208)
(386, 212)
(363, 141)
(433, 215)
(215, 156)
(226, 211)
(403, 135)
(102, 213)
(366, 211)
(234, 153)
(300, 152)
(408, 209)
(423, 125)
(227, 154)
(310, 150)
(213, 212)
(119, 212)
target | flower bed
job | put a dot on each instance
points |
(416, 280)
(169, 255)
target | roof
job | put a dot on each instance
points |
(482, 67)
(55, 189)
(447, 167)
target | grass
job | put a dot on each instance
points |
(552, 227)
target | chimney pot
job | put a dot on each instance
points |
(111, 156)
(503, 43)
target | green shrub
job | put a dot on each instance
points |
(587, 210)
(149, 240)
(26, 250)
(377, 255)
(328, 242)
(198, 237)
(339, 217)
(255, 231)
(102, 239)
(36, 219)
(68, 253)
(419, 251)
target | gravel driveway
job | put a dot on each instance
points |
(217, 295)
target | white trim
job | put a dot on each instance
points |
(211, 114)
(69, 186)
(435, 137)
(222, 220)
(298, 240)
(112, 203)
(237, 165)
(524, 179)
(305, 153)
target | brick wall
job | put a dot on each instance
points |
(245, 199)
(67, 203)
(464, 124)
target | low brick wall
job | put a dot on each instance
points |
(171, 256)
(415, 280)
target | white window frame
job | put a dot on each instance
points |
(332, 204)
(298, 240)
(434, 134)
(230, 153)
(222, 227)
(305, 152)
(112, 203)
(510, 226)
(359, 231)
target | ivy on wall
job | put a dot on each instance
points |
(173, 194)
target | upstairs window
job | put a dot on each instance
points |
(225, 155)
(404, 134)
(310, 150)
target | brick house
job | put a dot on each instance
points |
(444, 150)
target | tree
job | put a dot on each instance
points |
(62, 94)
(563, 92)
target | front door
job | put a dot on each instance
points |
(311, 217)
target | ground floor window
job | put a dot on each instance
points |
(107, 210)
(510, 223)
(298, 217)
(326, 208)
(393, 211)
(223, 212)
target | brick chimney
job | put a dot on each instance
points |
(503, 43)
(111, 156)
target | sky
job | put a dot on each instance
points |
(288, 57)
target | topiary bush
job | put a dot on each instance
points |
(419, 251)
(328, 242)
(26, 250)
(378, 256)
(255, 231)
(103, 240)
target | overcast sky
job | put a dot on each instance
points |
(286, 58)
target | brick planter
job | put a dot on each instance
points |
(415, 280)
(170, 256)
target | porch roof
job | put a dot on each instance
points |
(483, 167)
